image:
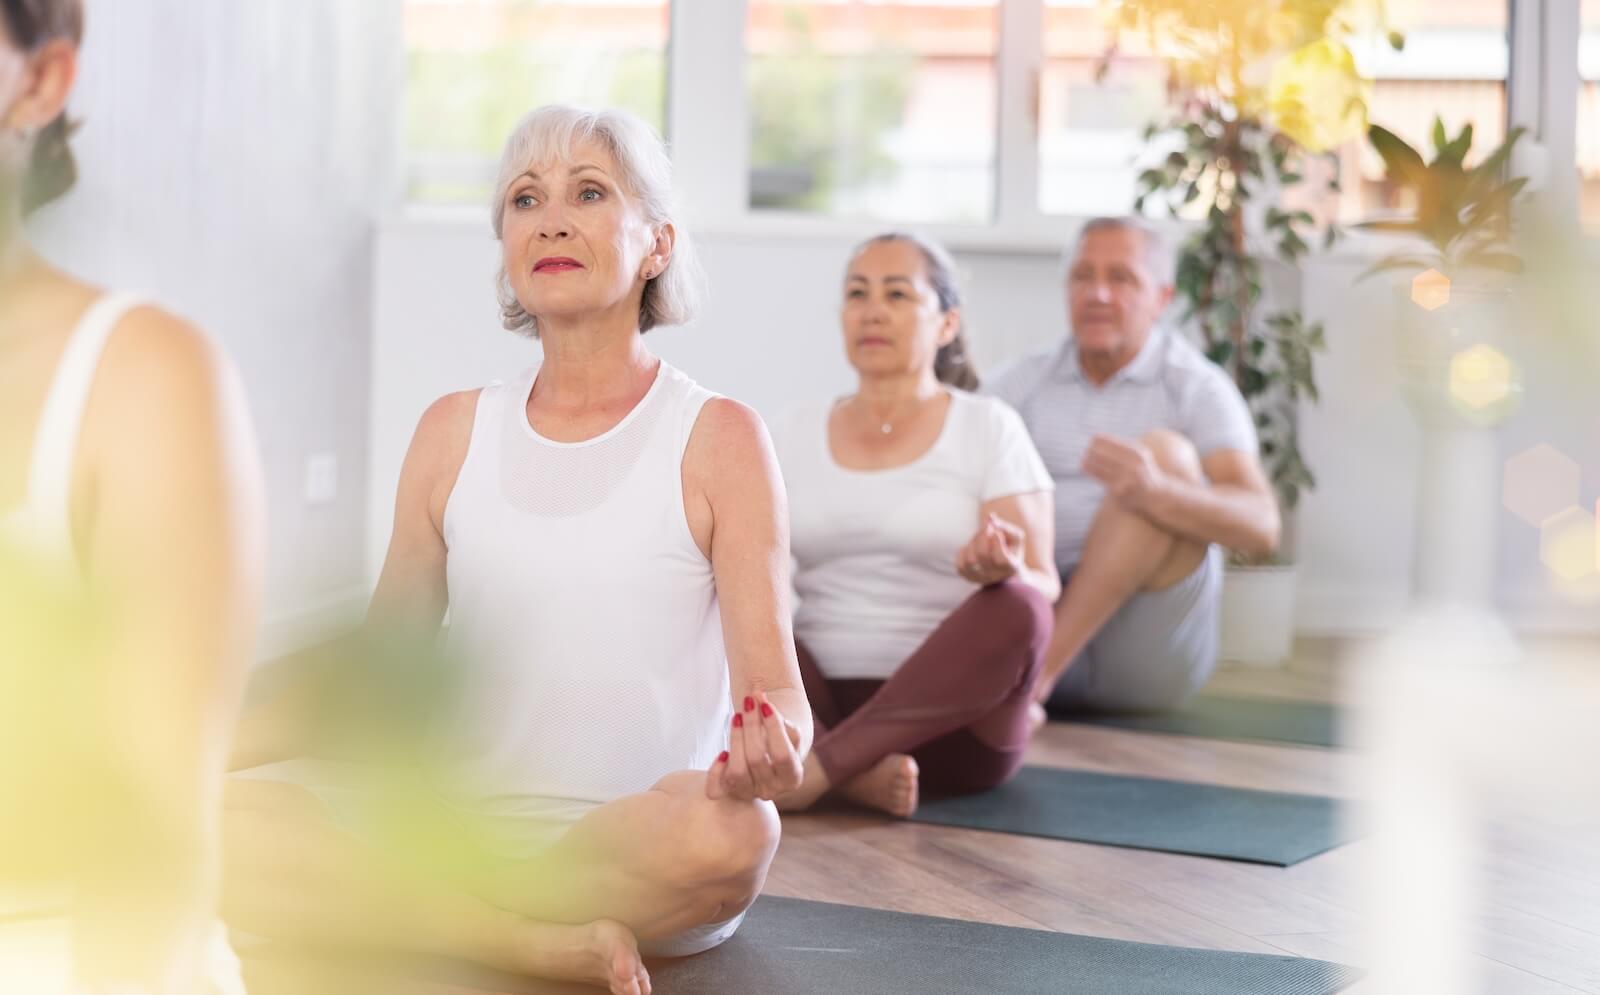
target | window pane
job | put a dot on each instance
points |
(1453, 66)
(476, 66)
(1589, 114)
(1090, 132)
(881, 110)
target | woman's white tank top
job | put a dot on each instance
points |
(42, 526)
(583, 614)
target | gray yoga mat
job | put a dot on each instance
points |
(1302, 723)
(792, 947)
(1262, 827)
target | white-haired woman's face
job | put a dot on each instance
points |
(891, 316)
(576, 243)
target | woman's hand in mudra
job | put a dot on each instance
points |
(994, 554)
(762, 759)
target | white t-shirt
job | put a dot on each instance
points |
(875, 550)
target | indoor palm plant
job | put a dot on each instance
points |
(1262, 89)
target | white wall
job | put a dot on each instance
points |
(770, 337)
(234, 159)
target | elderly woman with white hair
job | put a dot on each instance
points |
(599, 529)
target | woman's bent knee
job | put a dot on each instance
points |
(1019, 613)
(731, 841)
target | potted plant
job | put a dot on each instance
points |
(1451, 316)
(1262, 90)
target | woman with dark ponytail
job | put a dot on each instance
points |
(922, 526)
(130, 559)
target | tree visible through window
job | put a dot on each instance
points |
(475, 67)
(880, 110)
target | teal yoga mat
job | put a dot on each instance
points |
(1263, 827)
(792, 947)
(1302, 723)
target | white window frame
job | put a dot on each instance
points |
(708, 124)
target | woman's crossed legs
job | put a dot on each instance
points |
(641, 869)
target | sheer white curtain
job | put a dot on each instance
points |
(234, 158)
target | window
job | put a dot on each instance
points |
(889, 110)
(1091, 131)
(1589, 114)
(874, 110)
(1454, 66)
(475, 67)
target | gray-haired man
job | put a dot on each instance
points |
(1154, 455)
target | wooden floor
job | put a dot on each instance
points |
(1540, 928)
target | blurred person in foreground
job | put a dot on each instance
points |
(130, 563)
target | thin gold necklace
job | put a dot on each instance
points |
(886, 425)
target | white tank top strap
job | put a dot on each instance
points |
(694, 401)
(55, 442)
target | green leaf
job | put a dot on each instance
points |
(1456, 152)
(1252, 382)
(1440, 142)
(1403, 163)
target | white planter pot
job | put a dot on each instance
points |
(1457, 496)
(1258, 615)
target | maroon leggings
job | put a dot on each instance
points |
(958, 705)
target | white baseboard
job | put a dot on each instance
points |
(332, 615)
(1332, 611)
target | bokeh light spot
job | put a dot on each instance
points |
(1480, 377)
(1540, 483)
(1567, 545)
(1430, 289)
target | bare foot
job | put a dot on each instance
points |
(889, 785)
(813, 785)
(603, 953)
(1037, 717)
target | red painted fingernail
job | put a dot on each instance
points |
(722, 757)
(738, 720)
(766, 710)
(749, 703)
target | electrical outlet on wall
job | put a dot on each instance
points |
(322, 478)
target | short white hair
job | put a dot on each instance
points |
(644, 170)
(1159, 258)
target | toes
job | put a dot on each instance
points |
(634, 982)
